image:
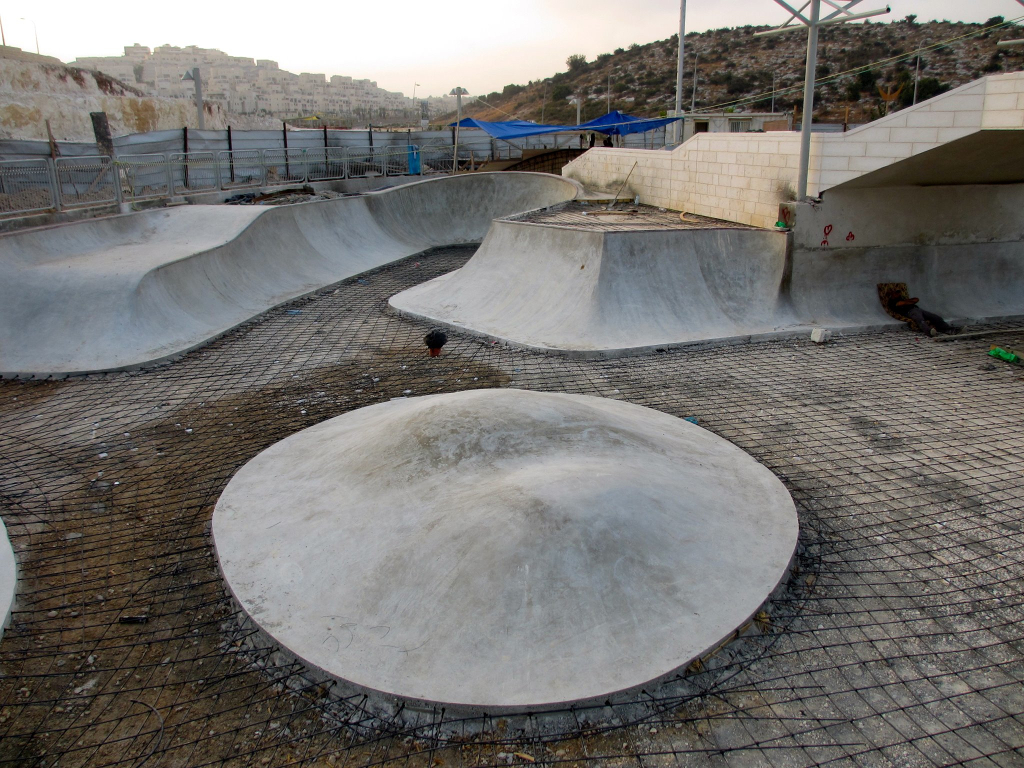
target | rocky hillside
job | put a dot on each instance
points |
(735, 70)
(35, 89)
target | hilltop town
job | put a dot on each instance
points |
(245, 86)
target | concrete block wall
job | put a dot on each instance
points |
(744, 177)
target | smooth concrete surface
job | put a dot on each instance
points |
(502, 550)
(590, 293)
(610, 293)
(8, 578)
(124, 291)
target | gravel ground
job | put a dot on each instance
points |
(898, 640)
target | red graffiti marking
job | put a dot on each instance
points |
(849, 237)
(828, 231)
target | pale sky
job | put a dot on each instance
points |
(479, 44)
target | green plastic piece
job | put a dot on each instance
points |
(1003, 354)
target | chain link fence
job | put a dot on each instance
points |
(85, 181)
(26, 186)
(36, 186)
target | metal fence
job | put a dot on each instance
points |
(36, 186)
(26, 186)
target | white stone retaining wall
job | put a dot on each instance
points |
(744, 177)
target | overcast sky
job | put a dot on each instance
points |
(478, 44)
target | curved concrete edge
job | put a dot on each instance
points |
(136, 290)
(8, 578)
(592, 294)
(405, 711)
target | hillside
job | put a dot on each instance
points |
(734, 69)
(34, 89)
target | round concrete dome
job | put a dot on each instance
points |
(502, 550)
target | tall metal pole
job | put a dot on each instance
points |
(839, 12)
(805, 126)
(458, 93)
(199, 97)
(679, 68)
(917, 76)
(693, 104)
(3, 37)
(579, 102)
(35, 30)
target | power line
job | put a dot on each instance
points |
(857, 70)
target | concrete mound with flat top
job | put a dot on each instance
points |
(502, 551)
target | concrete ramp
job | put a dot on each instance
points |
(126, 291)
(610, 293)
(593, 293)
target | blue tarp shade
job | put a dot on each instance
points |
(614, 124)
(619, 124)
(513, 129)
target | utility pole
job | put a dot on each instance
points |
(579, 103)
(813, 21)
(608, 93)
(458, 92)
(679, 70)
(194, 76)
(693, 104)
(35, 30)
(917, 76)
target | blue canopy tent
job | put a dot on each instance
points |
(615, 123)
(618, 123)
(512, 129)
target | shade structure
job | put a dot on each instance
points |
(615, 123)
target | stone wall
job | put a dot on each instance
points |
(744, 177)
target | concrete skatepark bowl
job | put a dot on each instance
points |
(502, 551)
(133, 290)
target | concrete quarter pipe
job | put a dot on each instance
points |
(126, 291)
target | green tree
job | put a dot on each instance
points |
(576, 62)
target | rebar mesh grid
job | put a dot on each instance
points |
(577, 214)
(898, 641)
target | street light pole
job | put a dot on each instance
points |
(693, 104)
(194, 76)
(35, 30)
(917, 76)
(679, 68)
(813, 21)
(458, 92)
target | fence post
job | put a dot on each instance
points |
(58, 203)
(231, 156)
(116, 180)
(170, 175)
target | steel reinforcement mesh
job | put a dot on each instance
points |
(898, 640)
